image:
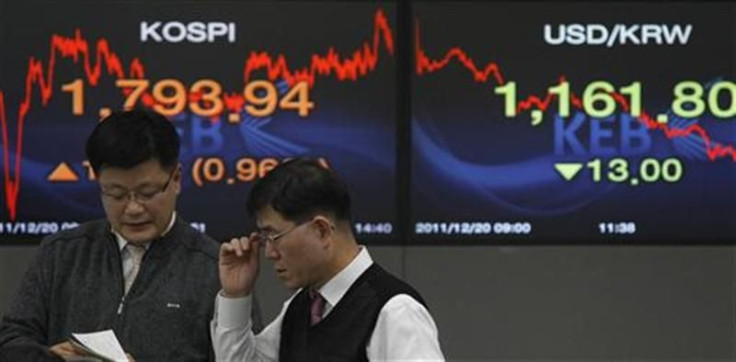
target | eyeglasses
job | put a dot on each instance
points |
(273, 239)
(121, 196)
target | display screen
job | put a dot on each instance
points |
(570, 122)
(247, 85)
(460, 123)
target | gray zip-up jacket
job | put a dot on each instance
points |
(75, 285)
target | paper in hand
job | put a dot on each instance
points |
(101, 344)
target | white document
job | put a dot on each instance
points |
(101, 344)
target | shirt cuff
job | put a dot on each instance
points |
(233, 312)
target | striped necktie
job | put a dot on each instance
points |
(136, 256)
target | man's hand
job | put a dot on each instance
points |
(65, 350)
(239, 266)
(68, 352)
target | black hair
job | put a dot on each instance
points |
(128, 138)
(300, 188)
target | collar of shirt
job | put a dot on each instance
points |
(122, 242)
(336, 287)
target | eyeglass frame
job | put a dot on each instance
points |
(131, 195)
(273, 239)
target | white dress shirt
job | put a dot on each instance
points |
(404, 331)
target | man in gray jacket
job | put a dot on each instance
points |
(142, 271)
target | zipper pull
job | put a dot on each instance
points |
(120, 306)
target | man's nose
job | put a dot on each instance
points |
(271, 251)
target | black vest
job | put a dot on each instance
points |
(344, 333)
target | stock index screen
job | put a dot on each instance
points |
(247, 85)
(573, 122)
(526, 122)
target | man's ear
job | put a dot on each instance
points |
(176, 178)
(325, 227)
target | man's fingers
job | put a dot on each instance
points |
(64, 350)
(226, 249)
(232, 247)
(255, 243)
(244, 243)
(239, 246)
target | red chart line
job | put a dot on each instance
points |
(359, 64)
(491, 71)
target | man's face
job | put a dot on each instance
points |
(299, 256)
(139, 201)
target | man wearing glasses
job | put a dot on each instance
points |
(142, 271)
(345, 308)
